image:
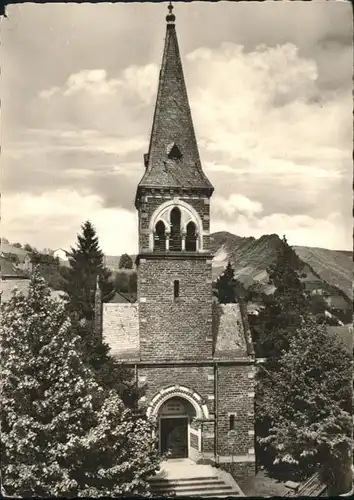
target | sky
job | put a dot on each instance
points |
(270, 89)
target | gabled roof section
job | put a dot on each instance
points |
(122, 298)
(9, 270)
(120, 330)
(173, 157)
(231, 333)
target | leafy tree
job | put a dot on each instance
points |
(133, 282)
(4, 240)
(49, 267)
(61, 433)
(255, 292)
(121, 282)
(283, 309)
(319, 308)
(126, 282)
(17, 245)
(226, 286)
(79, 284)
(306, 403)
(29, 248)
(125, 262)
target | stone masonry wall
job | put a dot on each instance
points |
(172, 329)
(196, 378)
(235, 396)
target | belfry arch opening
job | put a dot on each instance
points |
(160, 237)
(176, 236)
(176, 215)
(191, 237)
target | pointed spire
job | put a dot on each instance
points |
(173, 157)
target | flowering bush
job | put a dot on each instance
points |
(61, 433)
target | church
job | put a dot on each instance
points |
(194, 356)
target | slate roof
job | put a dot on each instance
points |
(172, 128)
(12, 279)
(120, 298)
(232, 336)
(8, 269)
(8, 286)
(120, 330)
(6, 248)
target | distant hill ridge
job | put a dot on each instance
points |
(251, 257)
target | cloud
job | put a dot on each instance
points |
(96, 83)
(265, 103)
(61, 212)
(268, 133)
(236, 203)
(273, 121)
(97, 101)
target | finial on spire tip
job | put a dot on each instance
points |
(170, 18)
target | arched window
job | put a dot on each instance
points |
(176, 237)
(191, 237)
(160, 237)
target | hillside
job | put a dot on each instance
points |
(250, 258)
(335, 267)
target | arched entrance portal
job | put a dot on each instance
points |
(175, 416)
(180, 405)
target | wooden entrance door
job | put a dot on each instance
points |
(174, 436)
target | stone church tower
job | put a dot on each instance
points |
(194, 356)
(173, 201)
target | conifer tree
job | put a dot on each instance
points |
(226, 286)
(86, 272)
(61, 433)
(285, 307)
(86, 263)
(306, 406)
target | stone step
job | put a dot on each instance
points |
(213, 494)
(212, 486)
(187, 479)
(195, 486)
(182, 480)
